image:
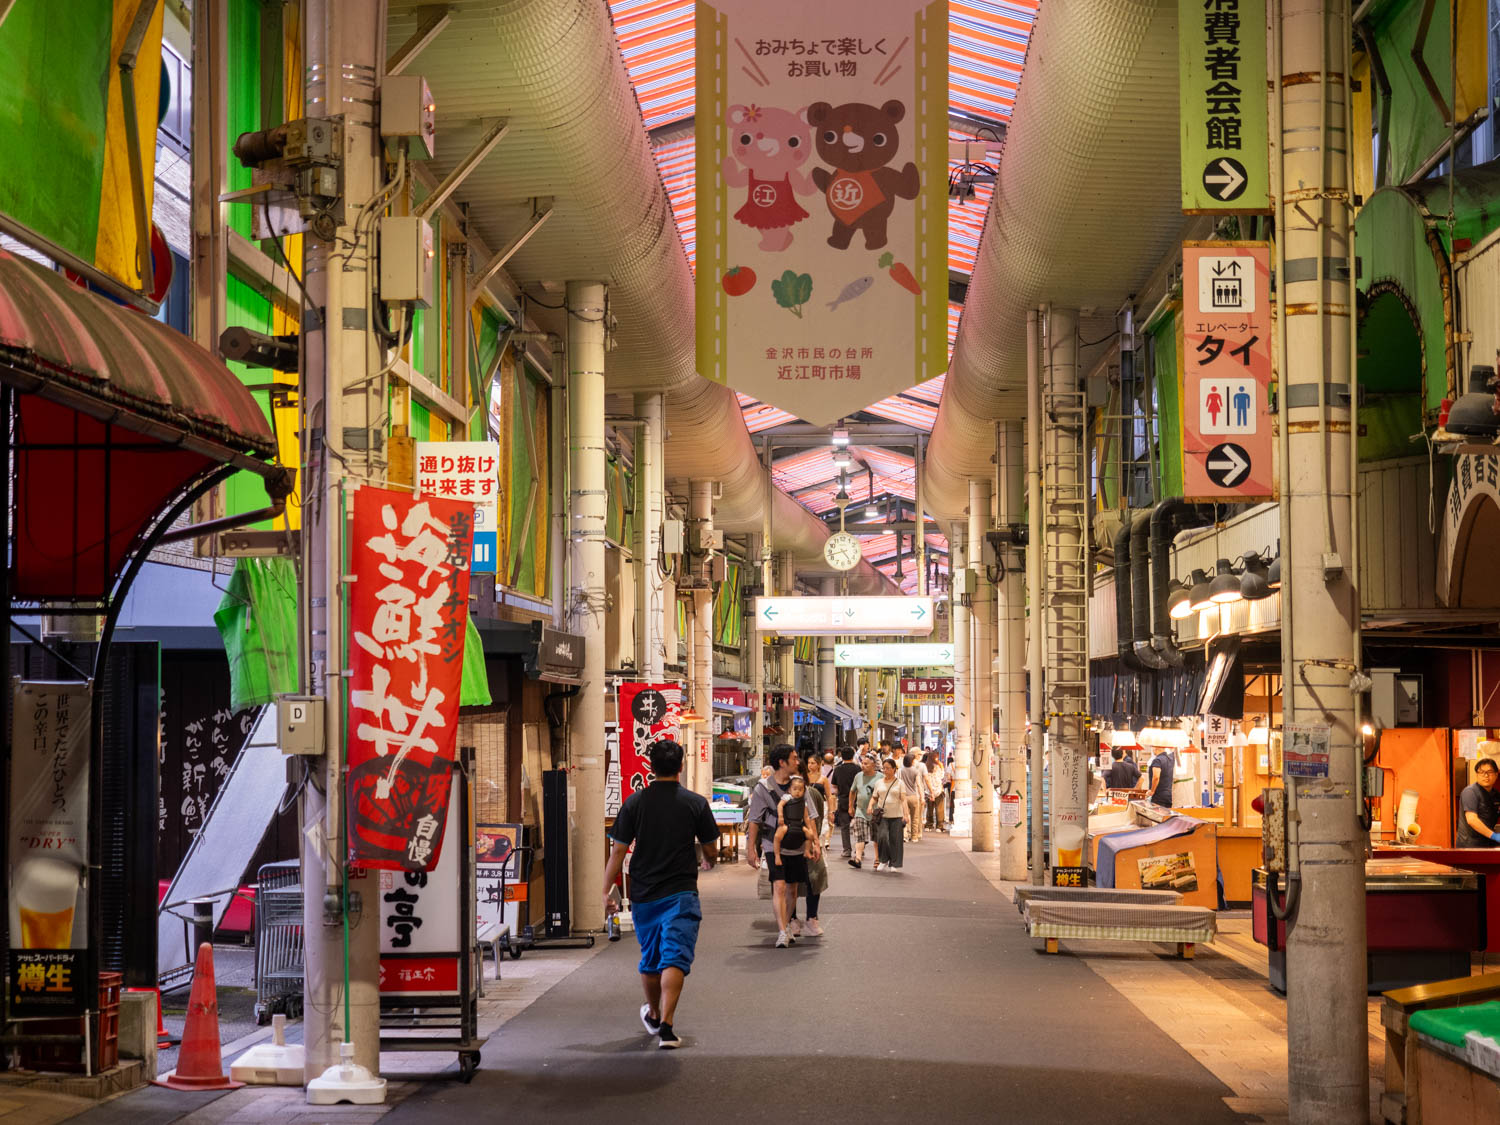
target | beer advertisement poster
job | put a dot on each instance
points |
(48, 824)
(821, 165)
(408, 613)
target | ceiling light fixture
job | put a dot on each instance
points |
(1179, 602)
(1200, 596)
(1253, 582)
(840, 438)
(1225, 588)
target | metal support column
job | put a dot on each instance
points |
(344, 45)
(650, 613)
(1327, 1046)
(586, 596)
(982, 665)
(963, 690)
(1065, 554)
(1011, 650)
(827, 681)
(1036, 736)
(786, 583)
(699, 772)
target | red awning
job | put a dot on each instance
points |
(116, 415)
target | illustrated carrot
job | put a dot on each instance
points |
(900, 273)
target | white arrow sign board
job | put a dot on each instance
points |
(859, 616)
(893, 656)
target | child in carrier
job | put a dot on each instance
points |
(790, 845)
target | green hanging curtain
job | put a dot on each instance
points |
(476, 683)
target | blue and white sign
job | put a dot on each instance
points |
(466, 470)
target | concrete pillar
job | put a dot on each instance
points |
(700, 778)
(786, 584)
(827, 681)
(963, 688)
(1036, 738)
(1065, 553)
(650, 489)
(982, 663)
(585, 595)
(344, 48)
(758, 679)
(1011, 649)
(1327, 1047)
(919, 541)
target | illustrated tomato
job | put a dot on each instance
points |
(739, 281)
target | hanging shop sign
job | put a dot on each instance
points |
(612, 796)
(48, 826)
(811, 616)
(419, 921)
(1228, 449)
(893, 655)
(649, 713)
(557, 657)
(1221, 51)
(928, 689)
(407, 617)
(822, 149)
(465, 470)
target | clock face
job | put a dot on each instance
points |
(842, 551)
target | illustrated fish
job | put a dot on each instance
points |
(854, 289)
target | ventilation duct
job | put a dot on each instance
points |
(1140, 573)
(1085, 206)
(1167, 519)
(1124, 623)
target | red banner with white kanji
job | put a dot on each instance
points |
(649, 713)
(407, 618)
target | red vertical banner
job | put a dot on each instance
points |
(407, 619)
(649, 713)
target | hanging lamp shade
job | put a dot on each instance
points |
(1200, 596)
(1179, 601)
(1254, 583)
(1273, 575)
(1225, 588)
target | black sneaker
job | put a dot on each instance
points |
(666, 1038)
(854, 863)
(652, 1026)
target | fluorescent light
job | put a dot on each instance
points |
(840, 437)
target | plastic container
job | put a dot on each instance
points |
(68, 1057)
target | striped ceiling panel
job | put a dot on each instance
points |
(656, 38)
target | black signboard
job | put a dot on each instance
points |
(558, 656)
(1069, 877)
(49, 982)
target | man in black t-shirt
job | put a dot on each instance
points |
(663, 821)
(1123, 773)
(843, 777)
(1163, 768)
(1479, 808)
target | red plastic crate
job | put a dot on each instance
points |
(68, 1057)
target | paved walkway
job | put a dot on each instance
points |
(925, 998)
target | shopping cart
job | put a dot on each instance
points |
(278, 941)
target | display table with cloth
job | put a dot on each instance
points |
(1026, 894)
(1184, 925)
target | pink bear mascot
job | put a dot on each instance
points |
(770, 146)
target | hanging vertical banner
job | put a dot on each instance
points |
(407, 618)
(822, 156)
(48, 835)
(465, 470)
(420, 942)
(1221, 53)
(1228, 449)
(649, 713)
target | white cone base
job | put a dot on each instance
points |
(346, 1081)
(270, 1064)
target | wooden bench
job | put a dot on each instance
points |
(1184, 926)
(1399, 1104)
(1117, 895)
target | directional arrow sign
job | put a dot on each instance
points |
(1225, 178)
(1227, 464)
(894, 655)
(857, 616)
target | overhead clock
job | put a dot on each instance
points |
(842, 551)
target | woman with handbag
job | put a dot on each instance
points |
(887, 813)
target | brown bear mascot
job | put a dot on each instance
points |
(859, 141)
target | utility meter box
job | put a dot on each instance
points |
(406, 260)
(408, 111)
(299, 724)
(671, 537)
(963, 582)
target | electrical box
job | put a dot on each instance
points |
(1395, 699)
(671, 537)
(963, 582)
(408, 111)
(706, 538)
(406, 260)
(718, 568)
(299, 724)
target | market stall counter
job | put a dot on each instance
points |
(1177, 854)
(1484, 862)
(1422, 920)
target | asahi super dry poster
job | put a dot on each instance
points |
(822, 147)
(408, 612)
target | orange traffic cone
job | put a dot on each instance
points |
(200, 1065)
(163, 1036)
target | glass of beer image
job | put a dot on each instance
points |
(1070, 845)
(46, 891)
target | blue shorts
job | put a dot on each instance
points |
(667, 929)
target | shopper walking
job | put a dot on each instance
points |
(913, 781)
(937, 804)
(760, 826)
(861, 789)
(663, 821)
(888, 807)
(814, 879)
(843, 777)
